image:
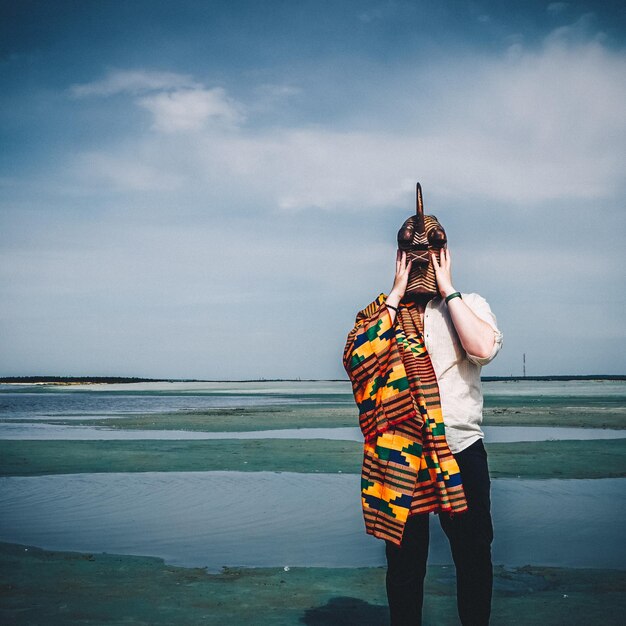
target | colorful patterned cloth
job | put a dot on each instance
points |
(407, 465)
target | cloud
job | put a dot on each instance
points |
(176, 101)
(541, 125)
(133, 82)
(285, 209)
(127, 172)
(277, 91)
(582, 30)
(191, 109)
(556, 8)
(269, 97)
(544, 125)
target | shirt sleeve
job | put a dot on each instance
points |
(482, 310)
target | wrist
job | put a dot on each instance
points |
(394, 297)
(446, 291)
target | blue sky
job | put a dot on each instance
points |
(213, 189)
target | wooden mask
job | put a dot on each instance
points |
(419, 236)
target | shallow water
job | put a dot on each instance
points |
(272, 519)
(548, 388)
(98, 404)
(40, 401)
(258, 519)
(493, 434)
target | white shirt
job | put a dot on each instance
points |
(457, 372)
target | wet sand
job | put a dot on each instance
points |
(44, 587)
(498, 412)
(539, 459)
(570, 416)
(216, 420)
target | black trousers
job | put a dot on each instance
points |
(470, 535)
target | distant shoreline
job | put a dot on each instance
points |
(556, 377)
(113, 380)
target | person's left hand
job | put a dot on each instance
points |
(442, 272)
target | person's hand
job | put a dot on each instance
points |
(442, 272)
(403, 268)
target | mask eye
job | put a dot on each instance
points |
(405, 236)
(437, 237)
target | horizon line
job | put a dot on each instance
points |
(138, 379)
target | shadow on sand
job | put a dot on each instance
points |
(343, 610)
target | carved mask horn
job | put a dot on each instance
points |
(419, 208)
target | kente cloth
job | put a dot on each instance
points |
(407, 465)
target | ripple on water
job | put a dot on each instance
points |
(274, 519)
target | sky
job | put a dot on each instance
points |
(213, 190)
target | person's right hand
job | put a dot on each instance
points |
(403, 268)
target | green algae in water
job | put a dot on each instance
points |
(45, 587)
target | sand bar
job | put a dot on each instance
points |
(43, 587)
(543, 459)
(493, 434)
(315, 416)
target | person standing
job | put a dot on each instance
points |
(414, 358)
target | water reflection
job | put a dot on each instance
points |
(276, 519)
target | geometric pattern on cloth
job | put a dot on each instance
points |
(407, 465)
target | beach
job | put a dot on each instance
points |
(67, 587)
(238, 503)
